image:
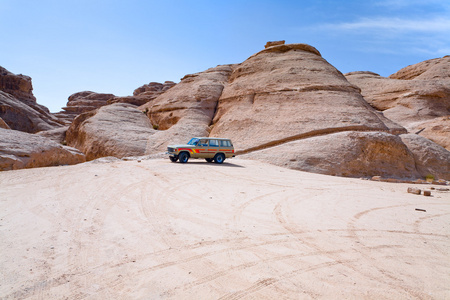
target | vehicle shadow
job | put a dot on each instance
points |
(212, 164)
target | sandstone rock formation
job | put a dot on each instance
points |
(187, 109)
(429, 157)
(81, 102)
(144, 94)
(118, 130)
(154, 88)
(351, 153)
(18, 86)
(20, 150)
(289, 92)
(57, 135)
(417, 97)
(18, 106)
(284, 105)
(275, 43)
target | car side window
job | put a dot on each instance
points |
(225, 144)
(213, 143)
(203, 143)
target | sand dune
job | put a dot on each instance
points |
(244, 229)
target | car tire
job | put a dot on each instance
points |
(173, 158)
(219, 158)
(183, 157)
(210, 160)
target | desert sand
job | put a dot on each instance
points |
(152, 229)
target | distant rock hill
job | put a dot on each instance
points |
(285, 105)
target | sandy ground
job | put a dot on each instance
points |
(241, 230)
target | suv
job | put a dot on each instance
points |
(211, 149)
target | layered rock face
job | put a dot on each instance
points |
(284, 105)
(289, 92)
(145, 93)
(81, 102)
(349, 153)
(187, 109)
(114, 130)
(19, 150)
(417, 97)
(430, 158)
(18, 107)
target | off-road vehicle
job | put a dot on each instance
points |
(211, 149)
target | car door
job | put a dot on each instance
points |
(213, 147)
(202, 148)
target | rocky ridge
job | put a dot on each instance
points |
(284, 105)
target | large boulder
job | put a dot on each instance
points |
(430, 158)
(19, 150)
(18, 106)
(289, 92)
(351, 154)
(114, 130)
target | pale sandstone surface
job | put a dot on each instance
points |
(244, 229)
(417, 97)
(118, 130)
(20, 150)
(430, 158)
(436, 130)
(353, 154)
(404, 101)
(195, 94)
(288, 92)
(432, 69)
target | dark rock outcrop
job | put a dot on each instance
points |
(18, 106)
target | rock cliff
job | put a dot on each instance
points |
(416, 97)
(18, 106)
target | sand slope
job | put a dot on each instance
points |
(244, 229)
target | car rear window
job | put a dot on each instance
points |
(225, 144)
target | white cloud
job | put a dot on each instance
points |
(436, 25)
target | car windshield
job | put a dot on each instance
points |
(193, 141)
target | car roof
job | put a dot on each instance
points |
(209, 138)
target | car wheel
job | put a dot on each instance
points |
(173, 158)
(209, 160)
(219, 158)
(183, 157)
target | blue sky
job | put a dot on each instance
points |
(114, 46)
